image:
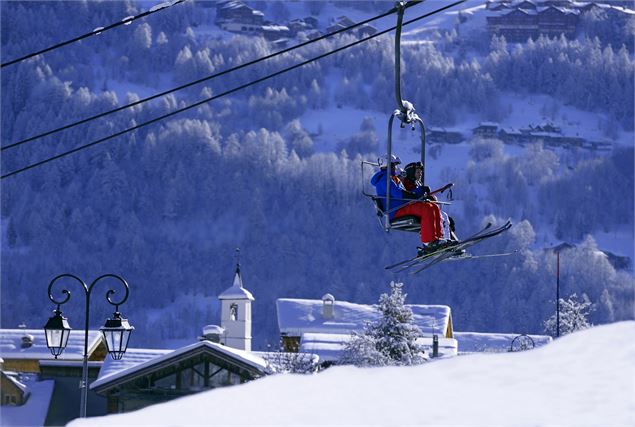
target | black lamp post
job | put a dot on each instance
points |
(116, 331)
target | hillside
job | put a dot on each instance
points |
(275, 168)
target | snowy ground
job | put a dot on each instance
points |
(584, 379)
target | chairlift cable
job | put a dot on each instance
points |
(127, 20)
(201, 80)
(228, 92)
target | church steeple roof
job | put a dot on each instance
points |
(237, 291)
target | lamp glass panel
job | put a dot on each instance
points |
(54, 338)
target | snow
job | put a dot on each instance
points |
(582, 379)
(33, 412)
(300, 316)
(478, 342)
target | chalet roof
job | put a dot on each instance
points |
(11, 344)
(275, 28)
(299, 316)
(136, 361)
(562, 10)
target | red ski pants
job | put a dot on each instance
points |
(430, 216)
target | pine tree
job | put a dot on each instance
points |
(389, 341)
(573, 316)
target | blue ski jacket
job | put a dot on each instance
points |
(397, 192)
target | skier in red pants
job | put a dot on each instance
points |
(404, 203)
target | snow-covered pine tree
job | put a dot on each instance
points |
(573, 316)
(389, 341)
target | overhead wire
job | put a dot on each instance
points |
(127, 20)
(228, 92)
(203, 79)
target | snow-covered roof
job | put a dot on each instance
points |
(300, 316)
(275, 28)
(137, 360)
(213, 329)
(236, 291)
(12, 377)
(329, 347)
(476, 342)
(33, 412)
(11, 344)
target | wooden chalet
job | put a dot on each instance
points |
(527, 20)
(322, 327)
(12, 391)
(146, 377)
(239, 12)
(486, 130)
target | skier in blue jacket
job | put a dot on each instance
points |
(402, 204)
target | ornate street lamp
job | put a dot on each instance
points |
(116, 331)
(57, 331)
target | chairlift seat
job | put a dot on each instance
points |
(406, 223)
(403, 223)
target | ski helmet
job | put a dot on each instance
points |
(395, 160)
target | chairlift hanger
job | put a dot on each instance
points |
(406, 114)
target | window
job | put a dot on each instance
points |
(233, 312)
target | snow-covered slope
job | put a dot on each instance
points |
(584, 379)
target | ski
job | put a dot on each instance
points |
(462, 246)
(470, 256)
(416, 259)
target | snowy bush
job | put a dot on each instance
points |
(389, 341)
(573, 316)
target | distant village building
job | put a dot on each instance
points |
(366, 30)
(486, 130)
(518, 21)
(547, 134)
(311, 21)
(238, 12)
(297, 25)
(275, 32)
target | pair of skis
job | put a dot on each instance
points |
(456, 252)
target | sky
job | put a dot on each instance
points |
(583, 379)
